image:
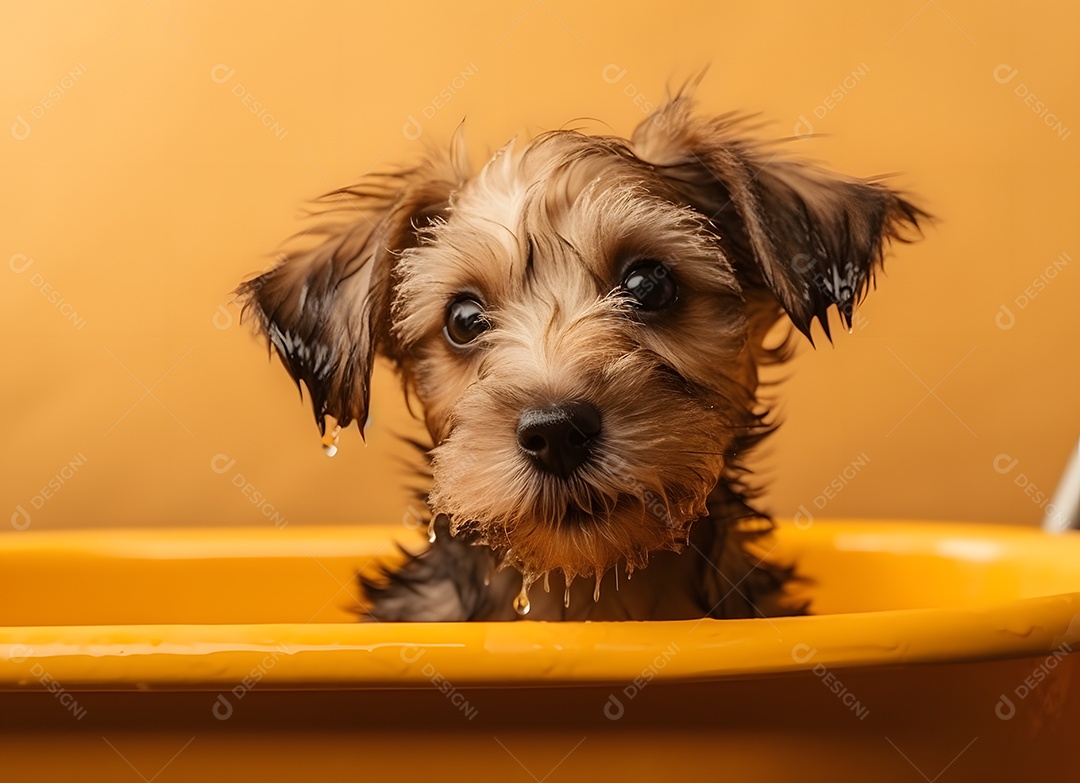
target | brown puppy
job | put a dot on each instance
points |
(583, 321)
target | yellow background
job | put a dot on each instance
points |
(145, 189)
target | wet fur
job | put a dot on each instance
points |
(542, 235)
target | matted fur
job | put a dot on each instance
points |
(543, 236)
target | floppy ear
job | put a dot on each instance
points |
(811, 237)
(326, 311)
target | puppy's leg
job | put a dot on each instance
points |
(740, 584)
(451, 581)
(737, 574)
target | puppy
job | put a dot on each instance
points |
(583, 322)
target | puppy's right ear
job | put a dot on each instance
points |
(811, 238)
(326, 311)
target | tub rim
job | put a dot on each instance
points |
(291, 656)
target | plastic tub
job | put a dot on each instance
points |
(936, 651)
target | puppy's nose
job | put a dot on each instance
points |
(559, 437)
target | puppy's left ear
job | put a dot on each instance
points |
(811, 237)
(326, 311)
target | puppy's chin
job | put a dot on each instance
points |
(583, 542)
(610, 510)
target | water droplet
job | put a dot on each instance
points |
(547, 585)
(487, 579)
(431, 530)
(596, 590)
(330, 442)
(566, 596)
(521, 603)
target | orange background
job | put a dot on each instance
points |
(145, 189)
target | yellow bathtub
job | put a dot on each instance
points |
(939, 652)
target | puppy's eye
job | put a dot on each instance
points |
(465, 321)
(651, 285)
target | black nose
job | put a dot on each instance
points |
(559, 437)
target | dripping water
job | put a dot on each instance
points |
(330, 441)
(521, 603)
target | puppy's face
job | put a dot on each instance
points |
(578, 340)
(582, 322)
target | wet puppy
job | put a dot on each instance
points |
(583, 321)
